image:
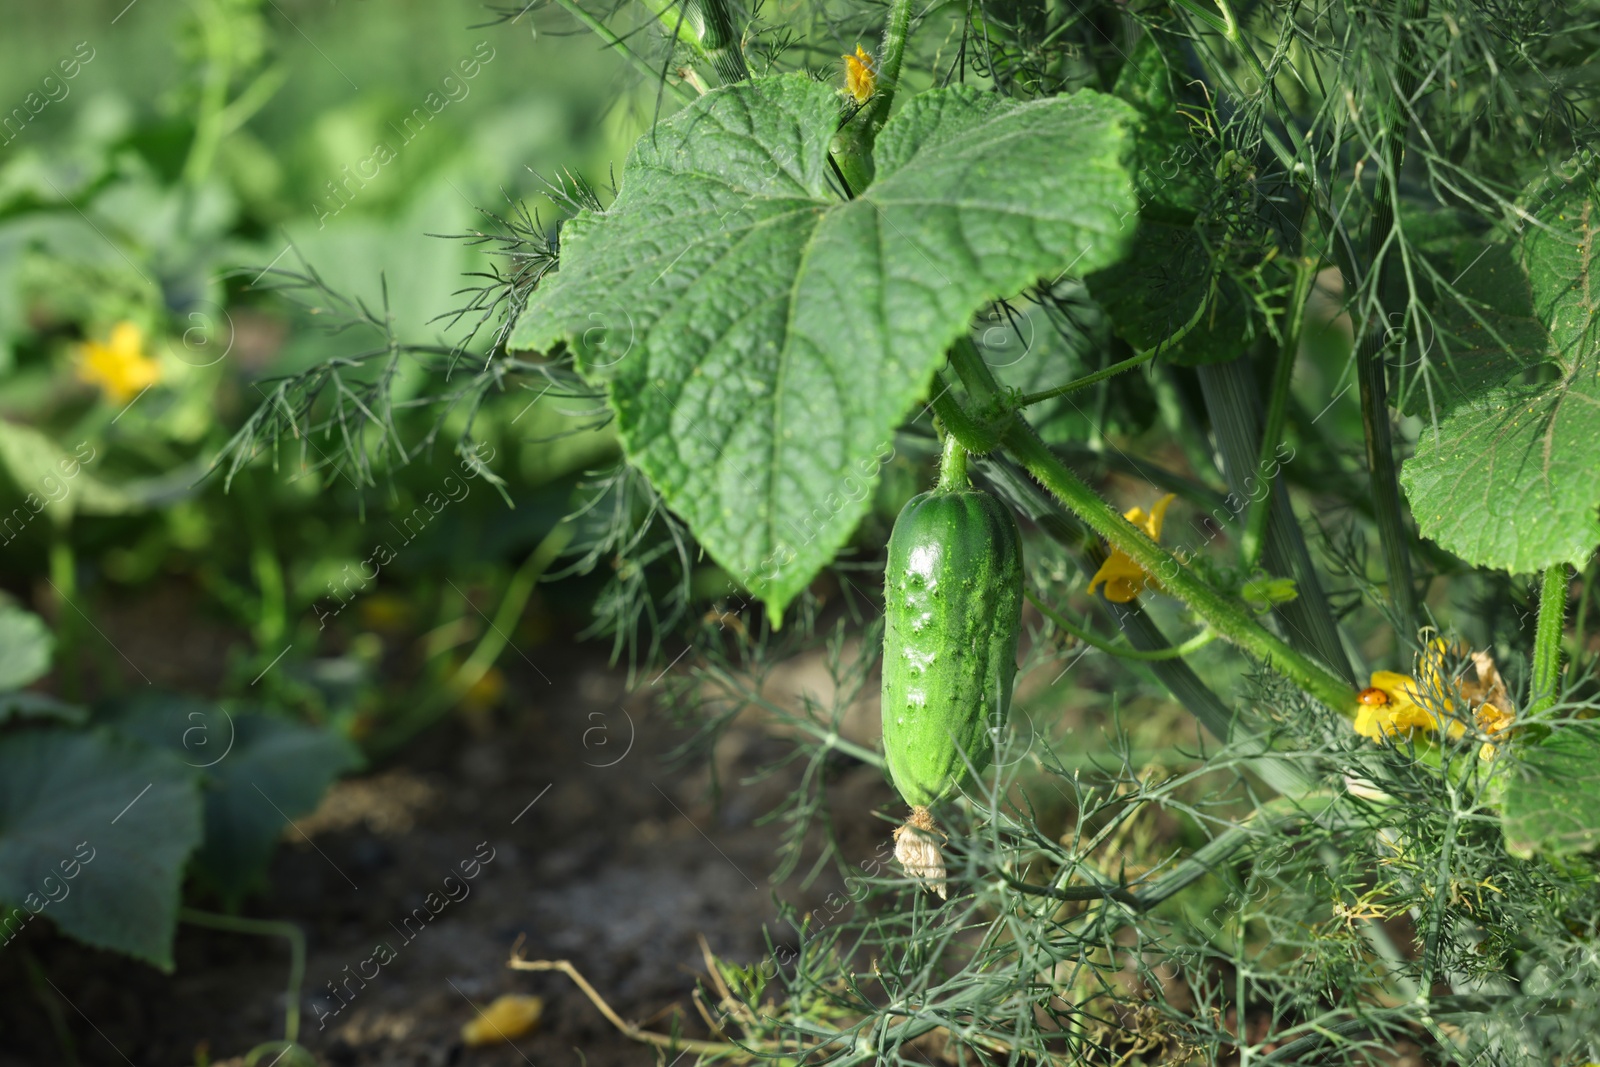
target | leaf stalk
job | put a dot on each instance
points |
(1546, 686)
(1227, 618)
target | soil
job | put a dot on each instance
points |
(590, 848)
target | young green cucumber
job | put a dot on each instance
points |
(953, 593)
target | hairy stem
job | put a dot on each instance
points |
(889, 59)
(975, 436)
(853, 145)
(952, 465)
(1546, 688)
(1023, 493)
(1227, 618)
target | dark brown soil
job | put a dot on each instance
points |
(617, 868)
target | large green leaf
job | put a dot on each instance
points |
(94, 834)
(1552, 798)
(761, 338)
(26, 645)
(260, 771)
(1508, 479)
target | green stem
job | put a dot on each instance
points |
(1117, 368)
(1194, 644)
(1277, 408)
(64, 576)
(602, 31)
(516, 599)
(952, 465)
(494, 640)
(1088, 379)
(272, 618)
(265, 928)
(1370, 366)
(1546, 688)
(1024, 494)
(975, 436)
(1579, 636)
(889, 60)
(705, 27)
(214, 31)
(853, 145)
(1222, 615)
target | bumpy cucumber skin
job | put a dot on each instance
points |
(953, 609)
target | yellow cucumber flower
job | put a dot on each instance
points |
(1397, 703)
(860, 75)
(118, 365)
(1122, 577)
(1391, 705)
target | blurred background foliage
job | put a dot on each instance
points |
(160, 157)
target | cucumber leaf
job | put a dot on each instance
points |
(1552, 798)
(1507, 479)
(94, 834)
(259, 771)
(760, 337)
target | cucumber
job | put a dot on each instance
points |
(953, 609)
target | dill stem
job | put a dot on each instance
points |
(1193, 644)
(1232, 397)
(1277, 409)
(1370, 366)
(602, 31)
(1547, 639)
(1221, 614)
(1127, 364)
